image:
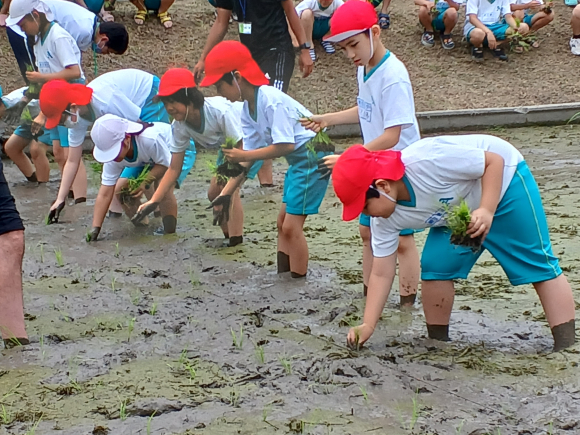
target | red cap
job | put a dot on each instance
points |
(174, 80)
(350, 19)
(57, 95)
(356, 170)
(230, 56)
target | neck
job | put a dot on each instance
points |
(380, 51)
(84, 111)
(249, 94)
(130, 152)
(193, 117)
(44, 28)
(399, 191)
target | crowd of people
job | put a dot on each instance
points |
(145, 131)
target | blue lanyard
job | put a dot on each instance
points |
(243, 6)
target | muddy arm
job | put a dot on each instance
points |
(102, 204)
(380, 282)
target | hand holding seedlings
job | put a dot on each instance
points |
(316, 123)
(358, 335)
(221, 209)
(234, 155)
(328, 161)
(144, 210)
(480, 224)
(93, 235)
(54, 213)
(38, 124)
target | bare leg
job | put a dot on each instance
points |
(116, 206)
(236, 222)
(14, 148)
(79, 185)
(165, 5)
(450, 20)
(307, 21)
(212, 193)
(38, 154)
(575, 21)
(265, 174)
(438, 297)
(541, 19)
(409, 270)
(11, 303)
(425, 18)
(293, 233)
(367, 258)
(60, 154)
(168, 209)
(283, 257)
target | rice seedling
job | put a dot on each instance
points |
(123, 409)
(364, 393)
(191, 370)
(459, 428)
(458, 218)
(33, 90)
(238, 341)
(32, 430)
(226, 169)
(41, 248)
(136, 297)
(234, 398)
(416, 413)
(58, 256)
(131, 327)
(5, 416)
(149, 420)
(259, 351)
(117, 250)
(319, 143)
(266, 411)
(153, 309)
(114, 283)
(182, 357)
(144, 177)
(192, 277)
(286, 364)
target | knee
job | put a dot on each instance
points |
(550, 17)
(576, 14)
(307, 15)
(280, 223)
(450, 15)
(524, 28)
(406, 244)
(14, 241)
(36, 151)
(424, 12)
(290, 230)
(476, 36)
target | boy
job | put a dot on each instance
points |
(534, 13)
(386, 112)
(484, 26)
(270, 129)
(126, 148)
(575, 39)
(416, 187)
(441, 16)
(315, 18)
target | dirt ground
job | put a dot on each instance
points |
(441, 79)
(144, 334)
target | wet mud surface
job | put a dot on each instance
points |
(210, 340)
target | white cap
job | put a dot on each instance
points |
(20, 8)
(108, 134)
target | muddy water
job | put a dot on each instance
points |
(138, 325)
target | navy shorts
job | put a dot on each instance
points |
(9, 217)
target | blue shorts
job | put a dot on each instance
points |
(519, 240)
(304, 184)
(58, 133)
(95, 6)
(321, 27)
(498, 29)
(528, 19)
(254, 169)
(154, 111)
(365, 221)
(437, 22)
(152, 5)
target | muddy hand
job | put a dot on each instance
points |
(144, 210)
(358, 335)
(14, 113)
(54, 213)
(221, 209)
(480, 224)
(93, 235)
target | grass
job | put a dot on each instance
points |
(364, 393)
(286, 364)
(58, 256)
(96, 167)
(131, 327)
(238, 341)
(123, 409)
(149, 420)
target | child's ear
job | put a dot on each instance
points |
(376, 31)
(383, 185)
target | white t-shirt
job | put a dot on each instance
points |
(56, 51)
(488, 13)
(219, 119)
(150, 148)
(385, 99)
(441, 170)
(122, 93)
(317, 11)
(276, 120)
(14, 97)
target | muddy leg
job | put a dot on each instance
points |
(79, 185)
(293, 233)
(14, 149)
(438, 299)
(168, 208)
(367, 260)
(212, 193)
(558, 302)
(236, 222)
(283, 258)
(38, 154)
(129, 207)
(409, 270)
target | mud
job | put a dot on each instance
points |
(210, 340)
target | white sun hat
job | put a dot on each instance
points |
(20, 8)
(108, 134)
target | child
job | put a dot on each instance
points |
(386, 113)
(270, 128)
(441, 16)
(534, 13)
(57, 57)
(126, 93)
(575, 39)
(315, 18)
(126, 148)
(209, 122)
(416, 188)
(160, 7)
(484, 26)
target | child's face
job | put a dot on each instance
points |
(125, 147)
(229, 91)
(176, 110)
(358, 47)
(378, 205)
(29, 24)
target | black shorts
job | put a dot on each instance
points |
(9, 217)
(279, 65)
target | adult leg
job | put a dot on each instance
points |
(293, 233)
(14, 148)
(367, 257)
(283, 257)
(38, 154)
(409, 270)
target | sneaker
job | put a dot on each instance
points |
(575, 46)
(428, 39)
(328, 47)
(312, 54)
(447, 42)
(477, 54)
(498, 53)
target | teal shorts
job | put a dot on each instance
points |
(304, 184)
(58, 133)
(437, 22)
(254, 169)
(152, 5)
(498, 29)
(154, 111)
(95, 6)
(519, 240)
(528, 19)
(365, 221)
(321, 27)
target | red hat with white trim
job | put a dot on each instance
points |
(352, 18)
(57, 95)
(229, 56)
(174, 80)
(356, 170)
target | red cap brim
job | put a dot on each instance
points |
(210, 80)
(53, 122)
(354, 209)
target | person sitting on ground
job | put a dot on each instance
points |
(97, 7)
(127, 150)
(575, 39)
(384, 16)
(160, 7)
(419, 187)
(315, 18)
(441, 16)
(484, 26)
(535, 13)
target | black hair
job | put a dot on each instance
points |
(228, 78)
(186, 96)
(117, 34)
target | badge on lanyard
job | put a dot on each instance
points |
(245, 28)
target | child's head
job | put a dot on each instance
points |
(60, 101)
(29, 15)
(178, 93)
(230, 64)
(363, 181)
(112, 137)
(111, 38)
(354, 28)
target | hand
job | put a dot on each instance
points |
(480, 224)
(14, 113)
(221, 209)
(234, 155)
(198, 71)
(305, 62)
(54, 213)
(430, 5)
(38, 124)
(144, 210)
(314, 123)
(491, 42)
(35, 76)
(534, 4)
(328, 161)
(93, 235)
(139, 191)
(3, 20)
(358, 335)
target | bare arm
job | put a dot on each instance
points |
(270, 152)
(305, 61)
(102, 204)
(167, 183)
(509, 18)
(453, 5)
(477, 23)
(491, 181)
(385, 141)
(216, 34)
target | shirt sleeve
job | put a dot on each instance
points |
(282, 123)
(159, 153)
(384, 238)
(471, 7)
(506, 9)
(181, 139)
(399, 107)
(65, 50)
(111, 173)
(77, 135)
(225, 4)
(231, 125)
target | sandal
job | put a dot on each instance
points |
(384, 21)
(536, 44)
(165, 19)
(140, 17)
